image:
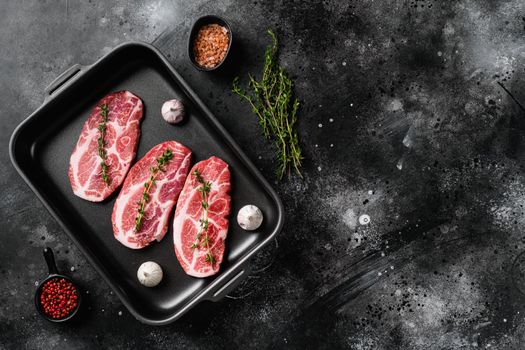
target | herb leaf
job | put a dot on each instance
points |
(209, 257)
(271, 100)
(145, 198)
(202, 239)
(104, 112)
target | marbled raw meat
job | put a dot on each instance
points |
(186, 223)
(121, 140)
(163, 196)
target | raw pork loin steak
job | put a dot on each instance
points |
(187, 223)
(162, 194)
(120, 142)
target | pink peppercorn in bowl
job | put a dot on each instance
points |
(57, 298)
(209, 43)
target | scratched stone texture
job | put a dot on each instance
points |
(404, 118)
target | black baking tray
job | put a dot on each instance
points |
(41, 145)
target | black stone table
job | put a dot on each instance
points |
(404, 118)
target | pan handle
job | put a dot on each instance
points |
(222, 290)
(62, 79)
(50, 260)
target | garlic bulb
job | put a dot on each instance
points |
(149, 274)
(250, 217)
(173, 111)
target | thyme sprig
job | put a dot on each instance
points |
(102, 126)
(144, 199)
(202, 238)
(271, 99)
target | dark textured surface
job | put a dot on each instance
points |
(402, 119)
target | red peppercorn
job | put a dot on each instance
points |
(58, 298)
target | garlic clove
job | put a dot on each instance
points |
(173, 111)
(250, 217)
(150, 274)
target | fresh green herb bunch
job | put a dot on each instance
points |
(104, 112)
(144, 199)
(202, 236)
(272, 101)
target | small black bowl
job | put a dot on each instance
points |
(53, 274)
(199, 23)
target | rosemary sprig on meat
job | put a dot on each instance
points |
(202, 236)
(104, 112)
(271, 99)
(144, 199)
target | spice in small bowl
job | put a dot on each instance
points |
(210, 42)
(59, 298)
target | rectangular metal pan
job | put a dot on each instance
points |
(41, 146)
